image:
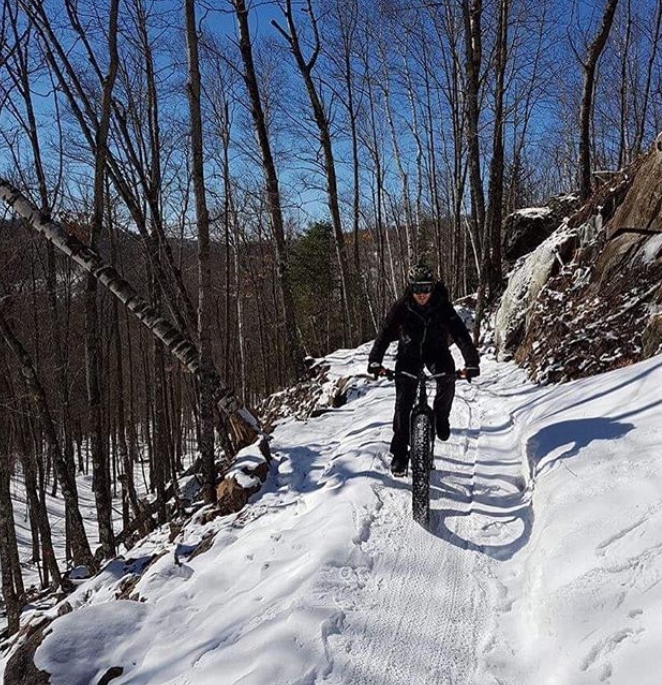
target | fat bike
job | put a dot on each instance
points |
(421, 439)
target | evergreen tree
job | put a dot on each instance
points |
(316, 288)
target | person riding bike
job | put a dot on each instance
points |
(422, 321)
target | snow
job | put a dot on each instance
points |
(542, 564)
(650, 249)
(533, 212)
(78, 653)
(56, 510)
(524, 284)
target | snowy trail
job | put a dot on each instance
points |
(542, 564)
(393, 602)
(420, 613)
(416, 605)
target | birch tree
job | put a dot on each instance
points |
(245, 426)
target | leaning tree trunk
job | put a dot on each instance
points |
(244, 425)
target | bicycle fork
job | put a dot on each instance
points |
(422, 410)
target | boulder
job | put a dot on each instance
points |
(525, 229)
(524, 286)
(234, 491)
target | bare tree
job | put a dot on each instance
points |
(100, 457)
(295, 346)
(244, 424)
(306, 67)
(472, 14)
(492, 262)
(12, 583)
(79, 542)
(206, 364)
(589, 66)
(656, 35)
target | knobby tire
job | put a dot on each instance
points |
(421, 448)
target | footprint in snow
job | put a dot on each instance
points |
(333, 482)
(605, 647)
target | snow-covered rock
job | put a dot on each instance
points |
(524, 285)
(595, 307)
(525, 229)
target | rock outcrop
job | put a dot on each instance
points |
(588, 299)
(641, 210)
(525, 229)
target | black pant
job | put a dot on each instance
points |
(405, 396)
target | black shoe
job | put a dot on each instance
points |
(443, 430)
(399, 467)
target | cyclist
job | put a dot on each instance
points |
(422, 321)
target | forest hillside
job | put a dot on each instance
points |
(206, 211)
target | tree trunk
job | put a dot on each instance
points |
(492, 265)
(245, 426)
(588, 89)
(474, 57)
(127, 479)
(101, 479)
(40, 512)
(79, 542)
(324, 132)
(11, 595)
(294, 342)
(641, 124)
(206, 364)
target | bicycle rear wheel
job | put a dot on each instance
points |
(421, 447)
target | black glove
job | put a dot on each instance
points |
(376, 369)
(471, 372)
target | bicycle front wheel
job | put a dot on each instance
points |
(420, 468)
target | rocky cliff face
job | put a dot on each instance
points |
(589, 298)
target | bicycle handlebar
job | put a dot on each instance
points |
(456, 375)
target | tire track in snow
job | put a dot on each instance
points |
(416, 617)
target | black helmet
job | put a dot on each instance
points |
(421, 273)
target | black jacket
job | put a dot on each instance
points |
(424, 333)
